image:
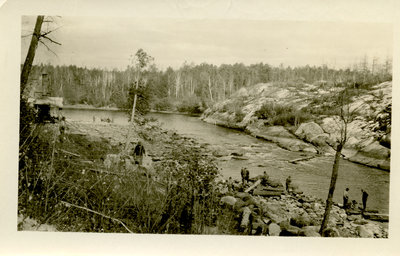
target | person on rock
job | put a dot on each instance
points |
(364, 199)
(245, 175)
(288, 183)
(264, 179)
(138, 153)
(230, 184)
(346, 198)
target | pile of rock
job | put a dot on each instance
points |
(294, 214)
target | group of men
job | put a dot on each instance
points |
(346, 202)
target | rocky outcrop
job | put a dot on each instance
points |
(361, 146)
(280, 136)
(294, 214)
(368, 133)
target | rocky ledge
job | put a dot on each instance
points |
(294, 214)
(368, 142)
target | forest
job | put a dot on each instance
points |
(192, 87)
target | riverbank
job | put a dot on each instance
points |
(277, 215)
(304, 118)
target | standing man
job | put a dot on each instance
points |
(288, 183)
(346, 198)
(364, 199)
(138, 153)
(230, 185)
(245, 175)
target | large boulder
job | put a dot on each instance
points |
(330, 232)
(364, 232)
(274, 229)
(300, 220)
(307, 131)
(229, 200)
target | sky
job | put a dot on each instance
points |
(108, 42)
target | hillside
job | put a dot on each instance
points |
(303, 117)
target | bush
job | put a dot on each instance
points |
(276, 114)
(239, 115)
(163, 104)
(70, 191)
(191, 106)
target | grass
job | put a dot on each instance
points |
(65, 183)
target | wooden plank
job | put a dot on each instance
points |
(253, 186)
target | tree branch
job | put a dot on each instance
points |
(51, 40)
(48, 48)
(98, 213)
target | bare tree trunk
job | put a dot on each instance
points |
(335, 171)
(209, 87)
(26, 69)
(133, 112)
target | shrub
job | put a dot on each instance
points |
(277, 114)
(163, 104)
(191, 106)
(71, 192)
(239, 115)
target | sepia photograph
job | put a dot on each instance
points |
(214, 126)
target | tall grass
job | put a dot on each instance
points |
(66, 184)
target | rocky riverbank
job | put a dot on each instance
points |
(243, 213)
(368, 133)
(296, 214)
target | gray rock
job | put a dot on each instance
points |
(309, 232)
(307, 131)
(364, 232)
(274, 229)
(330, 232)
(300, 221)
(230, 200)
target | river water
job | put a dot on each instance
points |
(312, 176)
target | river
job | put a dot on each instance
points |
(312, 176)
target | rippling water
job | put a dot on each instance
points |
(312, 176)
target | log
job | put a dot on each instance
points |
(376, 216)
(267, 193)
(245, 217)
(253, 186)
(69, 153)
(294, 161)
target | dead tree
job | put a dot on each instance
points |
(36, 39)
(345, 117)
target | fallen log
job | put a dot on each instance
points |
(245, 218)
(294, 161)
(376, 216)
(253, 186)
(267, 193)
(69, 153)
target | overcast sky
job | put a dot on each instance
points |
(108, 42)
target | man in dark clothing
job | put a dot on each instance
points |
(245, 175)
(138, 153)
(364, 199)
(264, 179)
(288, 183)
(346, 198)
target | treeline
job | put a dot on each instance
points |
(192, 87)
